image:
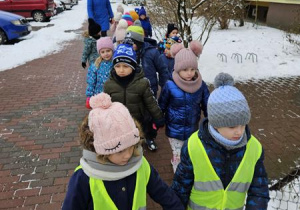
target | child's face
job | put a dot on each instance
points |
(106, 54)
(232, 133)
(167, 52)
(123, 69)
(121, 158)
(143, 17)
(187, 74)
(173, 33)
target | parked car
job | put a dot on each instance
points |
(67, 4)
(12, 26)
(74, 2)
(39, 10)
(58, 7)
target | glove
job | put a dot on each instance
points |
(83, 64)
(158, 124)
(87, 103)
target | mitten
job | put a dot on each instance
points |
(87, 103)
(159, 123)
(83, 64)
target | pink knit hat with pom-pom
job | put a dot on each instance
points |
(112, 125)
(186, 57)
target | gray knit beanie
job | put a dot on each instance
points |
(227, 106)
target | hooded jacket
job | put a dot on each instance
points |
(152, 65)
(136, 96)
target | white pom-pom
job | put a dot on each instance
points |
(223, 79)
(122, 24)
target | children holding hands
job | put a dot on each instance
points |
(113, 174)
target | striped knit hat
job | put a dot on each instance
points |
(128, 18)
(227, 106)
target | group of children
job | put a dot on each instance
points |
(217, 166)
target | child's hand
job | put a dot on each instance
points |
(158, 124)
(83, 64)
(87, 103)
(111, 21)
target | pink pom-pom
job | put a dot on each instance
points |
(101, 100)
(175, 48)
(196, 47)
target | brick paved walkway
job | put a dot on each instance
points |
(42, 104)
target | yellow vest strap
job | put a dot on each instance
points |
(209, 185)
(195, 206)
(239, 187)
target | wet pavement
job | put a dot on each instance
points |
(43, 101)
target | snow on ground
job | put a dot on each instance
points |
(276, 57)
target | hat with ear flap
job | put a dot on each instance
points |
(186, 57)
(112, 126)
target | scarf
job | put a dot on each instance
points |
(188, 86)
(109, 171)
(228, 144)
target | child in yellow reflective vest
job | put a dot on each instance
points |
(113, 174)
(222, 163)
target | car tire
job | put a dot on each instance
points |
(65, 8)
(39, 16)
(3, 37)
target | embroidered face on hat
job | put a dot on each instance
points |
(112, 126)
(135, 32)
(125, 54)
(227, 106)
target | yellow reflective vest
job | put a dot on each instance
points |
(101, 199)
(208, 192)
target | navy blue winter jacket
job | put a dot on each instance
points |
(182, 110)
(225, 163)
(170, 62)
(147, 27)
(79, 197)
(152, 66)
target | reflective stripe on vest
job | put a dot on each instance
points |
(101, 199)
(208, 192)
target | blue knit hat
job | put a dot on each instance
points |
(142, 11)
(227, 106)
(125, 54)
